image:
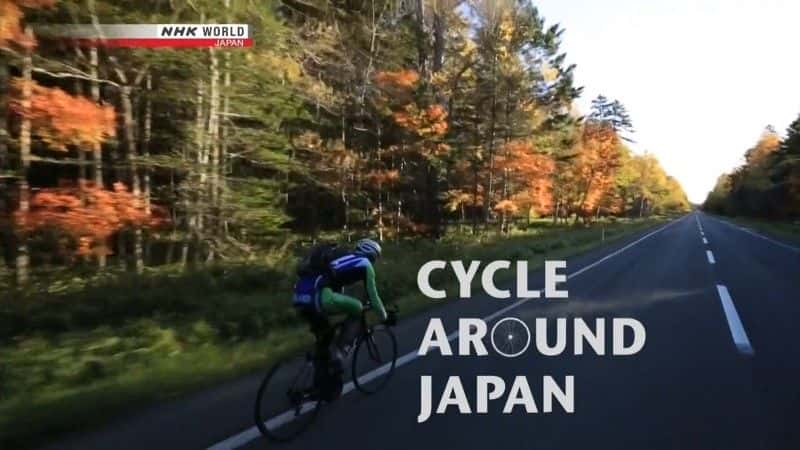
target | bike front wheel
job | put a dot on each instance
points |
(287, 401)
(374, 359)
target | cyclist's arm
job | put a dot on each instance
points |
(372, 291)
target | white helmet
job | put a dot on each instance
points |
(369, 248)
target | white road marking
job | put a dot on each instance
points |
(705, 241)
(734, 323)
(761, 236)
(609, 256)
(710, 257)
(246, 436)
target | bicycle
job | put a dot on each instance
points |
(290, 410)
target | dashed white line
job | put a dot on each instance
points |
(710, 257)
(705, 241)
(734, 323)
(244, 437)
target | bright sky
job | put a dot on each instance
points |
(700, 78)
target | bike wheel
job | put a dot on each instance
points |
(374, 359)
(287, 401)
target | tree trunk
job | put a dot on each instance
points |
(191, 210)
(487, 200)
(4, 134)
(214, 149)
(23, 258)
(504, 227)
(504, 219)
(81, 155)
(97, 152)
(556, 212)
(346, 208)
(223, 149)
(380, 219)
(422, 51)
(397, 219)
(475, 201)
(130, 157)
(343, 181)
(95, 93)
(439, 31)
(146, 137)
(380, 189)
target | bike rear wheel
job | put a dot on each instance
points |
(287, 401)
(374, 359)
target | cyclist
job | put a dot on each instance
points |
(350, 267)
(319, 292)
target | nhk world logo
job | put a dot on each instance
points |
(175, 35)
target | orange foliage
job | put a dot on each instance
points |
(429, 122)
(398, 87)
(457, 198)
(10, 16)
(767, 144)
(506, 206)
(596, 164)
(10, 31)
(378, 177)
(61, 119)
(531, 170)
(89, 214)
(404, 79)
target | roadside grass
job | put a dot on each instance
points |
(76, 354)
(35, 418)
(782, 230)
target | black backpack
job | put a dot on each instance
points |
(318, 260)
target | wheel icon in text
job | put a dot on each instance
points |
(510, 337)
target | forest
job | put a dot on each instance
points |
(395, 119)
(154, 202)
(767, 184)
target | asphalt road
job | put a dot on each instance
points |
(720, 368)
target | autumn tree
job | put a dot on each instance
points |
(393, 119)
(750, 183)
(518, 88)
(594, 168)
(528, 182)
(90, 215)
(785, 172)
(765, 185)
(18, 41)
(50, 118)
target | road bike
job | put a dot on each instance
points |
(293, 391)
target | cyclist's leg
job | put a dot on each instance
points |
(327, 373)
(331, 370)
(337, 303)
(323, 332)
